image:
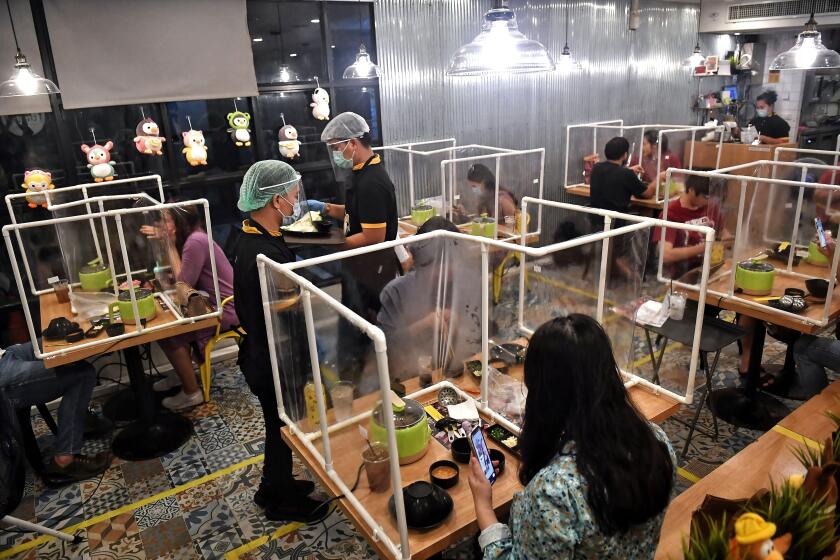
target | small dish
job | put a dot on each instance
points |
(817, 287)
(115, 329)
(426, 505)
(496, 455)
(461, 450)
(448, 396)
(444, 473)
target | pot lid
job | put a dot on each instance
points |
(484, 219)
(756, 266)
(407, 412)
(140, 293)
(96, 265)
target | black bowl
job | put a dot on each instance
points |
(496, 455)
(441, 481)
(426, 505)
(115, 329)
(796, 292)
(461, 450)
(817, 287)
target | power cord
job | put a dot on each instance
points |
(352, 489)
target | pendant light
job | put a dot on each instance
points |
(23, 80)
(363, 68)
(566, 63)
(696, 59)
(500, 48)
(808, 52)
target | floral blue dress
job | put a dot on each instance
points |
(550, 518)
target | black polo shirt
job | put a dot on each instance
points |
(253, 353)
(371, 201)
(773, 126)
(611, 186)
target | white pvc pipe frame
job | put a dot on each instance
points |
(835, 153)
(663, 129)
(117, 215)
(376, 335)
(730, 293)
(48, 195)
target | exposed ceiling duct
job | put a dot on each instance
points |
(753, 17)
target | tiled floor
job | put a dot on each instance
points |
(202, 504)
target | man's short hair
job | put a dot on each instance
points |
(698, 184)
(616, 148)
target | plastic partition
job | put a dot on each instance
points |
(437, 319)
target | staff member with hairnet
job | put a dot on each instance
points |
(370, 217)
(269, 193)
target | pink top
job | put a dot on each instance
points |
(197, 272)
(649, 165)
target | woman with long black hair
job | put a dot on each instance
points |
(597, 475)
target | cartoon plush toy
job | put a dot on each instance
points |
(194, 147)
(148, 140)
(754, 540)
(99, 161)
(239, 131)
(37, 181)
(320, 104)
(289, 144)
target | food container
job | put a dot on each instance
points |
(755, 277)
(95, 276)
(717, 253)
(412, 426)
(483, 226)
(145, 306)
(815, 257)
(421, 214)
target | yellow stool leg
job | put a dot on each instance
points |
(205, 370)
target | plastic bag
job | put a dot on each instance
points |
(507, 395)
(91, 304)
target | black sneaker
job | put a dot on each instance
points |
(82, 468)
(300, 508)
(265, 495)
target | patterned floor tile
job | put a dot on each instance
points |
(104, 534)
(135, 471)
(167, 537)
(247, 429)
(217, 439)
(55, 500)
(152, 515)
(185, 552)
(214, 547)
(129, 548)
(255, 447)
(111, 479)
(242, 480)
(230, 455)
(186, 471)
(190, 451)
(202, 411)
(55, 549)
(104, 502)
(209, 424)
(149, 487)
(212, 518)
(199, 496)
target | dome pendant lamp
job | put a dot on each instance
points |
(23, 80)
(363, 68)
(567, 63)
(808, 52)
(500, 48)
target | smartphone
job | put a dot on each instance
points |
(820, 232)
(479, 448)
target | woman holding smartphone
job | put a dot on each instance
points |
(604, 498)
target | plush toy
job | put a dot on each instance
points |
(99, 161)
(289, 144)
(754, 540)
(320, 104)
(37, 181)
(239, 131)
(194, 148)
(148, 140)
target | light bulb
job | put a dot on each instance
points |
(24, 79)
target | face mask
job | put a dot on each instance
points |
(296, 210)
(761, 113)
(476, 190)
(340, 161)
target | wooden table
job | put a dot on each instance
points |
(506, 232)
(347, 443)
(582, 190)
(810, 419)
(705, 153)
(155, 433)
(768, 458)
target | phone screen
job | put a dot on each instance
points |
(820, 232)
(479, 447)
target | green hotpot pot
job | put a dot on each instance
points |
(484, 226)
(755, 278)
(421, 214)
(413, 432)
(145, 306)
(95, 276)
(815, 257)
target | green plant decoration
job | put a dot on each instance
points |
(714, 545)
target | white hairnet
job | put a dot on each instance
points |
(344, 127)
(262, 181)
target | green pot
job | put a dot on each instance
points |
(421, 214)
(95, 277)
(413, 432)
(484, 226)
(145, 306)
(755, 278)
(815, 257)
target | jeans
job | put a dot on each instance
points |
(812, 355)
(26, 382)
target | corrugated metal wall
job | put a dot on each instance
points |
(635, 75)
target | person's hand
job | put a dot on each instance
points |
(407, 264)
(316, 205)
(830, 244)
(481, 489)
(637, 168)
(151, 232)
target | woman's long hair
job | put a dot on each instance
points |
(575, 393)
(186, 221)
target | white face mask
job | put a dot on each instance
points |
(476, 190)
(295, 209)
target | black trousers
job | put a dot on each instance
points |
(277, 466)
